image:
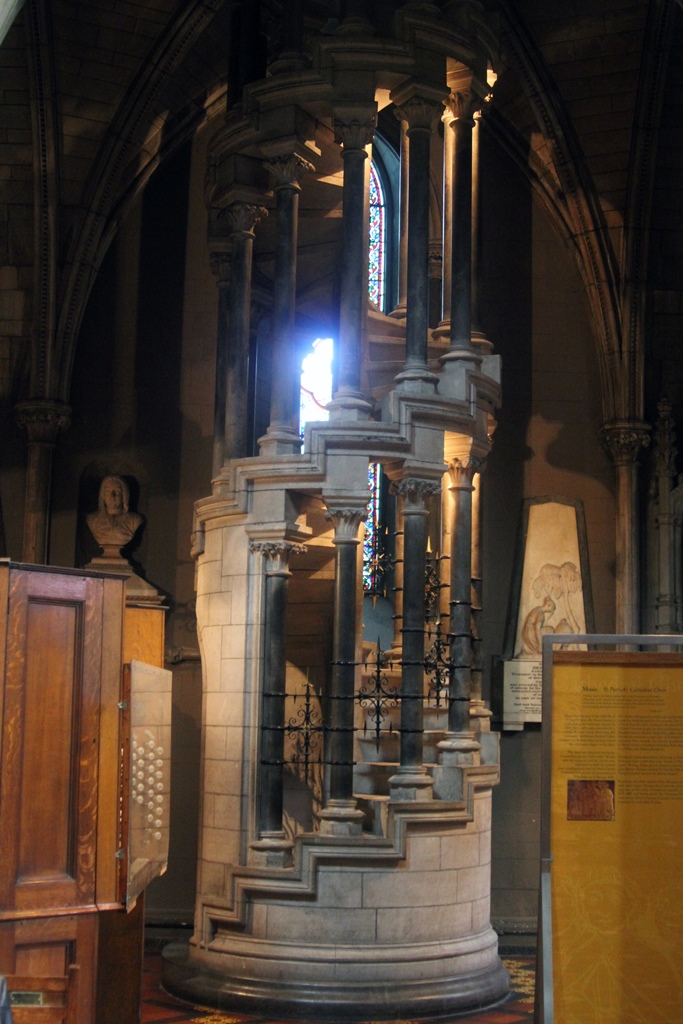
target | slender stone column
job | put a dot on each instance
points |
(43, 420)
(340, 816)
(272, 847)
(240, 219)
(480, 716)
(401, 307)
(291, 56)
(624, 441)
(479, 339)
(420, 115)
(665, 458)
(399, 562)
(460, 747)
(282, 436)
(444, 328)
(220, 267)
(411, 781)
(462, 106)
(348, 402)
(461, 474)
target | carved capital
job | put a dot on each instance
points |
(464, 105)
(462, 471)
(241, 218)
(220, 266)
(43, 419)
(415, 492)
(624, 441)
(346, 523)
(435, 257)
(419, 112)
(276, 554)
(353, 134)
(288, 170)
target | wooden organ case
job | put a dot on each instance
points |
(84, 792)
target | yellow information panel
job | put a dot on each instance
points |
(616, 810)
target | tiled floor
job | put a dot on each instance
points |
(158, 1008)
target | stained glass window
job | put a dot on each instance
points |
(377, 247)
(374, 543)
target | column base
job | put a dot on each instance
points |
(279, 441)
(481, 343)
(409, 784)
(271, 850)
(341, 818)
(416, 380)
(306, 984)
(458, 750)
(351, 406)
(480, 716)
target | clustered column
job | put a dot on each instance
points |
(282, 436)
(272, 847)
(348, 402)
(340, 815)
(411, 781)
(43, 420)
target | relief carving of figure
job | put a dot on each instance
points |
(113, 525)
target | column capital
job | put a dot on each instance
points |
(415, 491)
(220, 261)
(288, 169)
(346, 522)
(354, 133)
(624, 440)
(420, 113)
(43, 419)
(462, 470)
(463, 106)
(241, 218)
(276, 554)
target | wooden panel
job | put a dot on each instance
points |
(51, 711)
(144, 635)
(4, 598)
(119, 984)
(53, 950)
(48, 789)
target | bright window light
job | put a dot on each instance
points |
(316, 382)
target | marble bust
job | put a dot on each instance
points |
(113, 525)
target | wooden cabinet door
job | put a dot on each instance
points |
(63, 657)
